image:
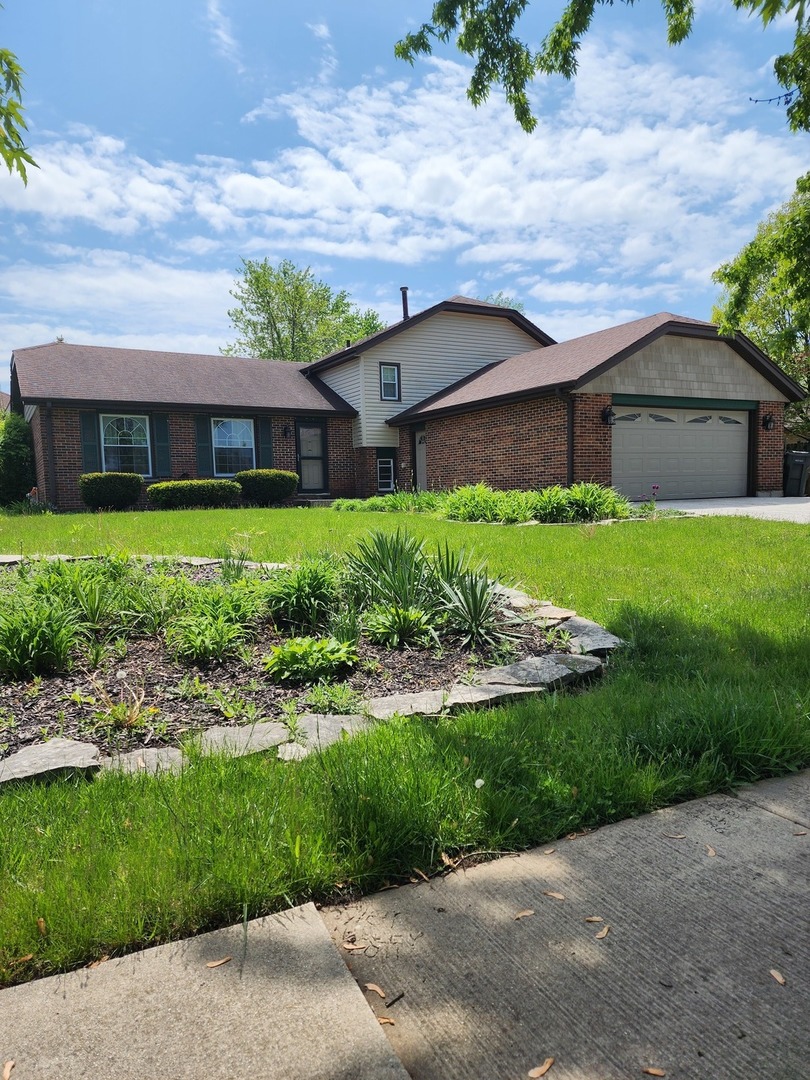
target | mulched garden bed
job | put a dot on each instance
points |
(176, 700)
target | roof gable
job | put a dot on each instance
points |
(62, 373)
(464, 305)
(573, 364)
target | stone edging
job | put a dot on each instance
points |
(588, 647)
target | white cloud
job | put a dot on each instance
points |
(226, 44)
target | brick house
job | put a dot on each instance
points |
(461, 392)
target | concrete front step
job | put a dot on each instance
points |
(284, 1007)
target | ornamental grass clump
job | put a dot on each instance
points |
(592, 502)
(37, 636)
(306, 596)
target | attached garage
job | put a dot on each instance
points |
(695, 453)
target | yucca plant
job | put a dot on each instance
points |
(474, 610)
(392, 569)
(399, 626)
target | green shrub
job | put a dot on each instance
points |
(308, 659)
(263, 487)
(551, 505)
(473, 502)
(17, 475)
(190, 494)
(110, 490)
(37, 634)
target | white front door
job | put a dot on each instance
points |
(420, 459)
(688, 453)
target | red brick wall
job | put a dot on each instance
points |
(592, 439)
(405, 460)
(365, 461)
(182, 440)
(770, 447)
(521, 445)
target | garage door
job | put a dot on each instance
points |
(690, 454)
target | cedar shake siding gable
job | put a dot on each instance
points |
(93, 375)
(463, 305)
(575, 364)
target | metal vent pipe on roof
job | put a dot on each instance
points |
(404, 290)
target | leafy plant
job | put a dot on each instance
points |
(200, 637)
(335, 698)
(392, 569)
(397, 626)
(304, 597)
(551, 505)
(233, 563)
(126, 713)
(592, 502)
(307, 659)
(36, 637)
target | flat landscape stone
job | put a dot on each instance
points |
(293, 751)
(50, 756)
(546, 671)
(149, 759)
(428, 703)
(323, 729)
(551, 613)
(464, 696)
(246, 739)
(589, 637)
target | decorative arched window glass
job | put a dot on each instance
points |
(729, 420)
(700, 420)
(628, 417)
(125, 444)
(659, 418)
(233, 445)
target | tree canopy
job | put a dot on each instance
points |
(13, 150)
(766, 292)
(487, 30)
(285, 313)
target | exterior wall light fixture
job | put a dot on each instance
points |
(608, 416)
(287, 431)
(768, 422)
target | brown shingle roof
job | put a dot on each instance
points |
(573, 363)
(60, 372)
(465, 305)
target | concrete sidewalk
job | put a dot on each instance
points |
(769, 509)
(486, 973)
(702, 902)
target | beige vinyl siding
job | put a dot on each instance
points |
(347, 380)
(676, 366)
(432, 355)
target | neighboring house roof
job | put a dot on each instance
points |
(572, 364)
(4, 401)
(464, 305)
(92, 374)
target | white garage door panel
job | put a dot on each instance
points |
(690, 454)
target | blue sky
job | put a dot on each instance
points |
(174, 139)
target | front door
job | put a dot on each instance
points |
(310, 438)
(420, 459)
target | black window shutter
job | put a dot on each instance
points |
(91, 451)
(264, 458)
(162, 463)
(205, 460)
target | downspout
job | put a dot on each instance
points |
(52, 494)
(569, 439)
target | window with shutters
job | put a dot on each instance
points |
(125, 445)
(233, 444)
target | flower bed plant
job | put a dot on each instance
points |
(582, 502)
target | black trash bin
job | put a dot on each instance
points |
(797, 470)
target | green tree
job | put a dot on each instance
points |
(766, 293)
(17, 475)
(502, 299)
(285, 313)
(13, 150)
(486, 30)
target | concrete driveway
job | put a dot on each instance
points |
(778, 509)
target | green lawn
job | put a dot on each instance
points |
(713, 689)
